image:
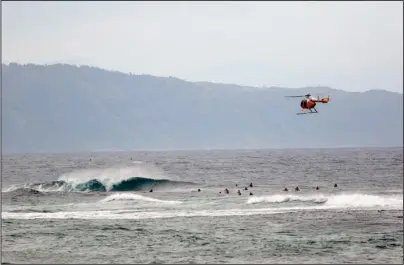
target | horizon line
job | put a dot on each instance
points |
(157, 150)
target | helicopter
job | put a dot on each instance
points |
(309, 103)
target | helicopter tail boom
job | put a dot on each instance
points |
(322, 100)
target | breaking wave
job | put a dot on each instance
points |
(342, 200)
(104, 180)
(130, 184)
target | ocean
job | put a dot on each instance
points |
(99, 207)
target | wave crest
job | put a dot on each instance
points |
(286, 198)
(134, 197)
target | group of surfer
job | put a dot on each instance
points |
(317, 188)
(226, 191)
(251, 185)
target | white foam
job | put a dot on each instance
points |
(286, 198)
(134, 197)
(355, 201)
(55, 188)
(360, 200)
(339, 201)
(130, 214)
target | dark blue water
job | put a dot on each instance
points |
(98, 208)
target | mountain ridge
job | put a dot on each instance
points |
(69, 108)
(217, 84)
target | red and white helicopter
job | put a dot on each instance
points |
(309, 103)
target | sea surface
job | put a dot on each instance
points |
(98, 208)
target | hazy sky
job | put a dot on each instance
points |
(353, 46)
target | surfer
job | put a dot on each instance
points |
(286, 189)
(251, 185)
(335, 185)
(251, 194)
(297, 189)
(317, 188)
(151, 190)
(227, 191)
(199, 190)
(245, 188)
(238, 192)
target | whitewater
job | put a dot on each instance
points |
(72, 204)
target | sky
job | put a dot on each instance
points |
(353, 46)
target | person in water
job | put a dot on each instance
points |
(251, 185)
(251, 194)
(245, 188)
(297, 189)
(286, 189)
(199, 190)
(151, 190)
(335, 185)
(238, 192)
(317, 188)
